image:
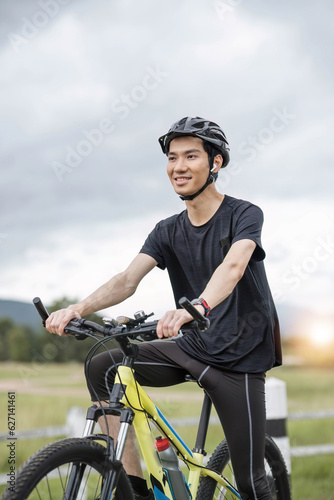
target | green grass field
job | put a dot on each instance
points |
(44, 393)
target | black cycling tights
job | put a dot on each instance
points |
(239, 399)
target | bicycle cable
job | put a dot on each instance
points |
(89, 356)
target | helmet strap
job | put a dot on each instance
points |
(209, 181)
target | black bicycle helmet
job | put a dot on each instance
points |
(213, 137)
(198, 127)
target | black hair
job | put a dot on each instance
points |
(212, 152)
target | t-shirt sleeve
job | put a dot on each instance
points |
(152, 247)
(248, 227)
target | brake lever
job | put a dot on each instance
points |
(74, 328)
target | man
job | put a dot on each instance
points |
(213, 254)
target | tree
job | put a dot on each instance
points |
(19, 343)
(6, 325)
(63, 349)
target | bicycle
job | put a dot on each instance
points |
(90, 468)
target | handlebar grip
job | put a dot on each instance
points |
(41, 309)
(202, 321)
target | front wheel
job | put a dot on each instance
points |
(70, 469)
(277, 474)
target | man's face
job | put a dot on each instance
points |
(188, 165)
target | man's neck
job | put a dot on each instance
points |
(201, 209)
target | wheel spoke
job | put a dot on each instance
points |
(48, 485)
(61, 479)
(39, 496)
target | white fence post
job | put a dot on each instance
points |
(75, 421)
(277, 415)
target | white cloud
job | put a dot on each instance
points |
(298, 237)
(236, 70)
(77, 260)
(298, 240)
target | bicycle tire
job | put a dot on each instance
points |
(277, 474)
(45, 474)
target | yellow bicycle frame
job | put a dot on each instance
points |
(135, 397)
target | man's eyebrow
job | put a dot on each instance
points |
(186, 152)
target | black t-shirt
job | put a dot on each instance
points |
(244, 332)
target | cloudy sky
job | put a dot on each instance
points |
(87, 87)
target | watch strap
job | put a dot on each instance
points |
(201, 302)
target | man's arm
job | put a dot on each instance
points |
(220, 286)
(117, 289)
(229, 272)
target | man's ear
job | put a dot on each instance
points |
(217, 163)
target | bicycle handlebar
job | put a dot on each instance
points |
(202, 322)
(41, 309)
(81, 328)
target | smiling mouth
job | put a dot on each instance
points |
(181, 179)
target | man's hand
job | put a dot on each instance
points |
(57, 320)
(171, 323)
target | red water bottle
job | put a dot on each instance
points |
(170, 464)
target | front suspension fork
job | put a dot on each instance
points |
(114, 456)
